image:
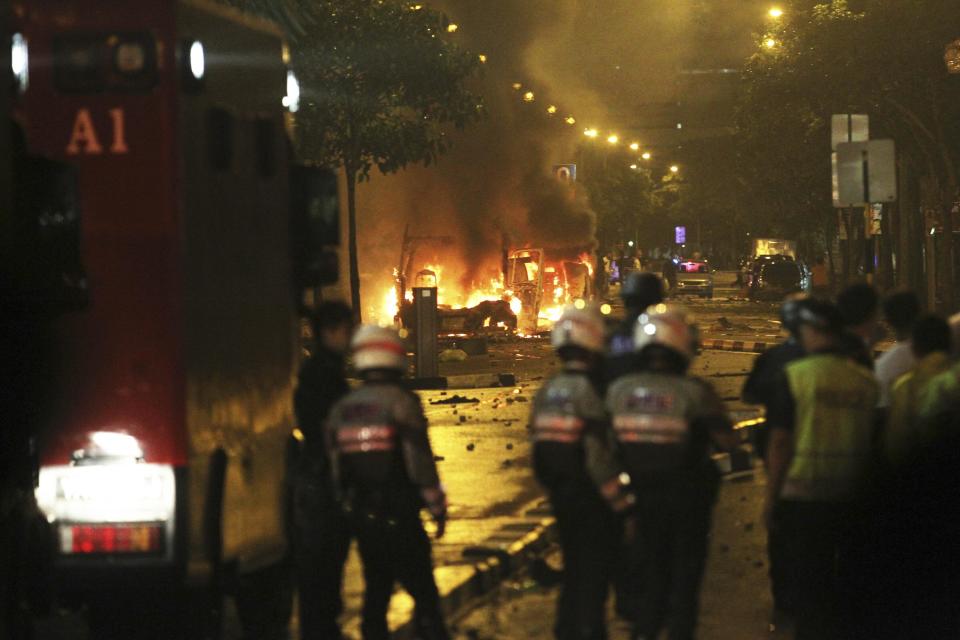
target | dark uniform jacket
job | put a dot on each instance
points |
(572, 453)
(662, 425)
(380, 455)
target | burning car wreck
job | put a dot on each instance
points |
(524, 298)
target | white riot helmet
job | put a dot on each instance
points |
(378, 348)
(668, 326)
(579, 327)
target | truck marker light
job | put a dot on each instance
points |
(20, 61)
(292, 100)
(197, 61)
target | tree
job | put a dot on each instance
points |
(886, 60)
(623, 198)
(381, 86)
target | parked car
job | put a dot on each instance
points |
(775, 279)
(694, 278)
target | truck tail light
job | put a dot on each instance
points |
(112, 538)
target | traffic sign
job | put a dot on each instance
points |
(866, 173)
(565, 172)
(849, 127)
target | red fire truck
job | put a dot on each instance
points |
(162, 468)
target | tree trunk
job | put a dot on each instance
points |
(352, 244)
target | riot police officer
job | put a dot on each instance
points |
(664, 422)
(640, 290)
(573, 461)
(321, 538)
(821, 444)
(385, 473)
(760, 388)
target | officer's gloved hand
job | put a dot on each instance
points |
(435, 500)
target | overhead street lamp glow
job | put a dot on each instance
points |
(452, 28)
(633, 166)
(770, 43)
(775, 12)
(646, 155)
(591, 133)
(483, 58)
(674, 169)
(552, 109)
(571, 120)
(528, 96)
(613, 138)
(634, 146)
(517, 86)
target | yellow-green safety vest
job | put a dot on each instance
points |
(835, 401)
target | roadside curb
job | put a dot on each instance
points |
(739, 346)
(464, 381)
(508, 550)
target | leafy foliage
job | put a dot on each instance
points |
(381, 85)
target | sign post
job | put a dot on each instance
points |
(426, 325)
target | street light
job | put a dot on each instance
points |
(634, 146)
(951, 57)
(775, 13)
(770, 43)
(591, 133)
(634, 167)
(528, 96)
(613, 138)
(552, 109)
(646, 155)
(674, 168)
(571, 120)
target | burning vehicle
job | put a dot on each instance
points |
(524, 294)
(545, 283)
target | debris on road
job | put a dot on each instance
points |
(453, 355)
(456, 399)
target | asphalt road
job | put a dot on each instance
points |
(484, 454)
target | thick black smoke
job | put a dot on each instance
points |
(496, 186)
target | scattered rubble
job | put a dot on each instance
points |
(456, 399)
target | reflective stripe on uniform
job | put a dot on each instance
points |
(650, 429)
(557, 428)
(366, 438)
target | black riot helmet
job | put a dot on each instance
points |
(790, 312)
(641, 290)
(820, 314)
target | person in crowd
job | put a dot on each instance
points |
(664, 423)
(900, 309)
(669, 273)
(384, 472)
(573, 461)
(931, 348)
(822, 434)
(859, 307)
(760, 388)
(820, 278)
(321, 537)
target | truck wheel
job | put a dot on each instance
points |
(264, 602)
